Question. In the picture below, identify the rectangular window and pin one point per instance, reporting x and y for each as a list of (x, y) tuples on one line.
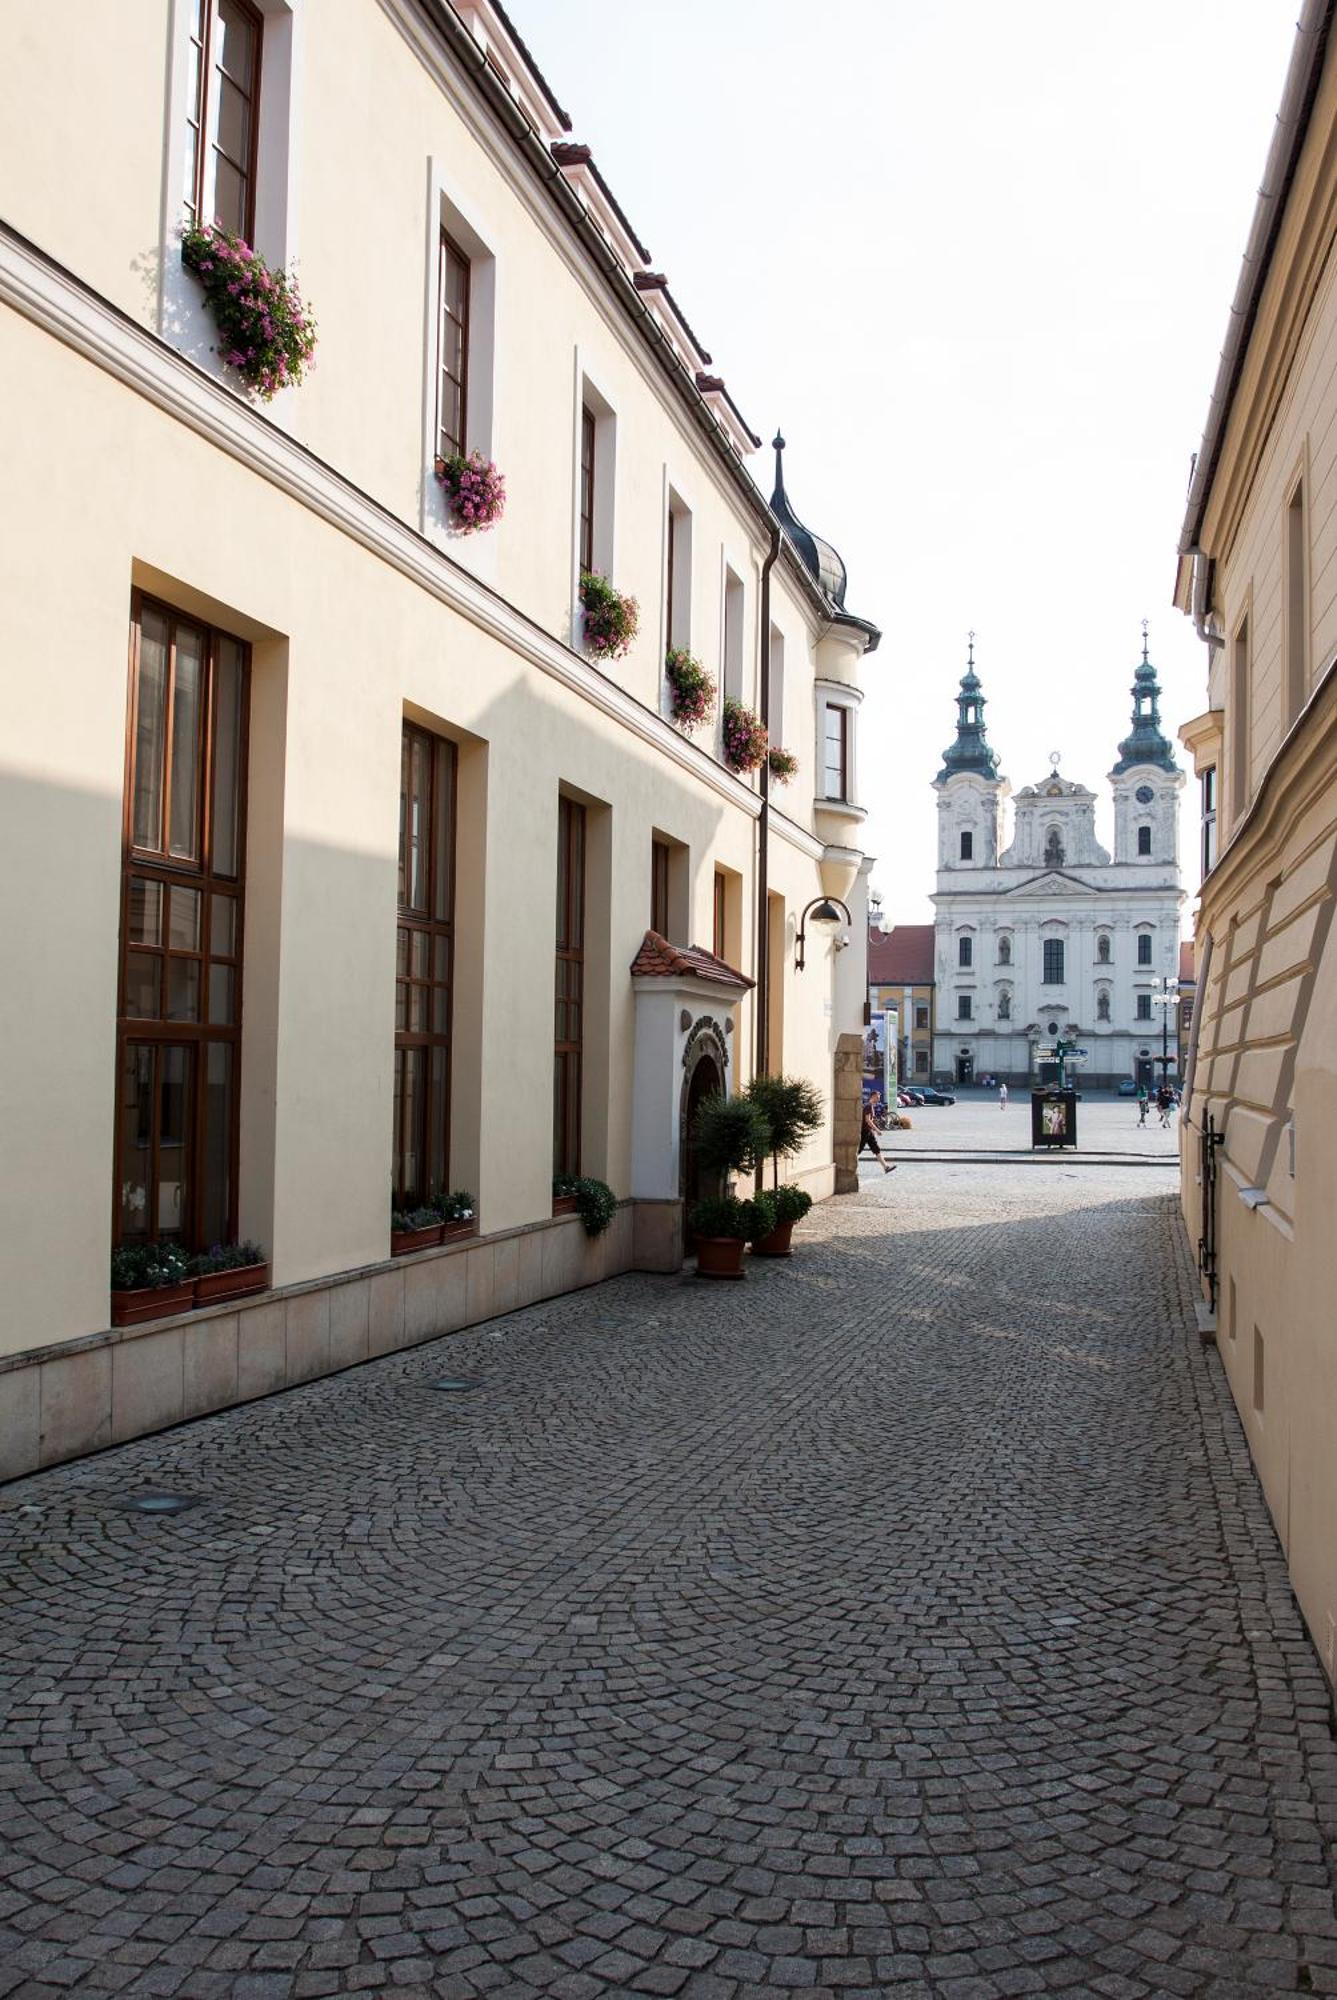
[(222, 116), (570, 994), (921, 1062), (678, 576), (1144, 948), (182, 890), (733, 635), (659, 887), (424, 966), (1240, 724), (1144, 840), (835, 754), (452, 394), (718, 915), (967, 847), (1209, 819), (963, 1007), (921, 1018), (1297, 606), (587, 437), (776, 723), (1144, 1006), (964, 950), (1053, 962)]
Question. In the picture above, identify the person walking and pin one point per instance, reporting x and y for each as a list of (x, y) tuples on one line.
[(1002, 1097), (1165, 1105), (868, 1138), (1143, 1104)]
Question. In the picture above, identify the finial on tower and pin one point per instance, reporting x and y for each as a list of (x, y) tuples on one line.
[(1146, 627), (970, 654)]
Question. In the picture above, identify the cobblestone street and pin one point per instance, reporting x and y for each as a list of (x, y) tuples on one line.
[(905, 1619)]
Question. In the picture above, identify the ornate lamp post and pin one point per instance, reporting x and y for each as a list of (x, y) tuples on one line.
[(1165, 997)]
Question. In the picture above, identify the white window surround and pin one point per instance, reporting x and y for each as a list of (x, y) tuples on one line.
[(183, 318), (466, 230), (588, 395), (676, 618), (732, 612), (776, 689), (838, 694)]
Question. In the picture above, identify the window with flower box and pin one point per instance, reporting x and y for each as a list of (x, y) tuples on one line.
[(178, 1042), (568, 1037), (452, 352), (223, 115), (424, 965)]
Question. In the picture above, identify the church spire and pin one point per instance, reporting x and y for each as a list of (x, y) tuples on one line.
[(971, 751), (1147, 744)]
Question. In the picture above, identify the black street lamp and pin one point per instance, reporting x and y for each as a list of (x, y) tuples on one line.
[(823, 910), (1165, 997)]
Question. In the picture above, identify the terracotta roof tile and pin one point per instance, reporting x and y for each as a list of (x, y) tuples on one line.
[(658, 959), (902, 956)]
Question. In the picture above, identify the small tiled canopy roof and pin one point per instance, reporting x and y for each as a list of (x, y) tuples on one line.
[(658, 959)]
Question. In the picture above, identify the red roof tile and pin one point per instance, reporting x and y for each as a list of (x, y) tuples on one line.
[(658, 959), (902, 956)]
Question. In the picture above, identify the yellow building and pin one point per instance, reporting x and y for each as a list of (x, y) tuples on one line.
[(336, 824), (900, 975), (1258, 573)]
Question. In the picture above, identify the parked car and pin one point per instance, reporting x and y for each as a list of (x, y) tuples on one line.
[(1127, 1087), (911, 1096), (930, 1096)]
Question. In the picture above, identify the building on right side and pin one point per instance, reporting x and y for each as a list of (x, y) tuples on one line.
[(1258, 575)]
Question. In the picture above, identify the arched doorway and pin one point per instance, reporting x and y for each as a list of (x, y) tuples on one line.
[(705, 1079), (965, 1067)]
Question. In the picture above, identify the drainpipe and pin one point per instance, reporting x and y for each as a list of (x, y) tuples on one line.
[(761, 992)]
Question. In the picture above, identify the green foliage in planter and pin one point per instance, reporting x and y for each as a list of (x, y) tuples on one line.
[(743, 1221), (596, 1204), (611, 620), (413, 1218), (148, 1267), (791, 1203), (691, 690), (765, 1216), (792, 1109), (266, 331), (226, 1257), (730, 1135), (457, 1207)]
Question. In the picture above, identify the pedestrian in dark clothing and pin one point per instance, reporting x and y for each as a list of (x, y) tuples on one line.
[(868, 1140)]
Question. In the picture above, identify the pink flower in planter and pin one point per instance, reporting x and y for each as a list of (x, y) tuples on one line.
[(474, 488), (268, 336), (744, 737)]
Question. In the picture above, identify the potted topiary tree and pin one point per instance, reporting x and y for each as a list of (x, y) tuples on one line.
[(792, 1109), (729, 1137)]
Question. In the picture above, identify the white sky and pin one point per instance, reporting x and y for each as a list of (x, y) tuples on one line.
[(976, 260)]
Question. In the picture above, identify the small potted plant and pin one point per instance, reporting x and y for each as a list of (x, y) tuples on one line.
[(413, 1229), (729, 1137), (456, 1215), (791, 1204), (229, 1271), (792, 1110), (720, 1229), (611, 620), (581, 1194), (782, 764), (691, 690), (149, 1281), (266, 332), (475, 491), (744, 737)]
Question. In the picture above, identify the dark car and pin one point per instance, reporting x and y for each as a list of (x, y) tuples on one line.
[(931, 1096)]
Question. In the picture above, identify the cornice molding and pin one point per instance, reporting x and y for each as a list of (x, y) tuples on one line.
[(49, 296)]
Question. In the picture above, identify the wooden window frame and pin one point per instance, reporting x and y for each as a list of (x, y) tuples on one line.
[(1144, 948), (1052, 952), (198, 876), (965, 952), (448, 247), (1210, 784), (842, 714), (660, 862), (719, 914), (588, 442), (568, 1049), (410, 922), (202, 36)]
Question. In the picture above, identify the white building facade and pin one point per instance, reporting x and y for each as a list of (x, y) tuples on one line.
[(1040, 933)]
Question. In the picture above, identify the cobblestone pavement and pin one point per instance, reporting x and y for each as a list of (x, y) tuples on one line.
[(904, 1620)]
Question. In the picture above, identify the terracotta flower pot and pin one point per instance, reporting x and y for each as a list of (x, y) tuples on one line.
[(211, 1286), (564, 1204), (404, 1241), (719, 1257), (777, 1243), (151, 1302)]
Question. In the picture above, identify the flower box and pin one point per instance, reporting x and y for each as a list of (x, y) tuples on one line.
[(212, 1286), (403, 1242), (475, 491), (266, 332), (564, 1204), (455, 1232), (611, 618), (151, 1302), (744, 737)]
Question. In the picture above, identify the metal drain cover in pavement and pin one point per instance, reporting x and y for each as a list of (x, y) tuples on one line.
[(459, 1382), (160, 1503)]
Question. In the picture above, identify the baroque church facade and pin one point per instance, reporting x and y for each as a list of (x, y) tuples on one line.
[(1039, 931)]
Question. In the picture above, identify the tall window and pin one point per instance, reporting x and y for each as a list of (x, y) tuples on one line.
[(452, 393), (1209, 819), (587, 430), (921, 1018), (963, 1007), (1144, 947), (836, 753), (719, 912), (659, 887), (1053, 962), (182, 887), (1239, 724), (678, 575), (964, 950), (1144, 1006), (1144, 840), (424, 964), (223, 98), (569, 1025), (967, 846)]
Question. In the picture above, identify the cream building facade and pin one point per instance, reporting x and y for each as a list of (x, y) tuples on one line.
[(334, 849), (1039, 932), (1258, 573)]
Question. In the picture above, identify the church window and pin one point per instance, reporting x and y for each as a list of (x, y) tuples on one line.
[(1103, 948), (964, 950), (1144, 947), (1144, 1006), (963, 1007), (1053, 849), (1102, 1006), (921, 1018), (1005, 951), (1144, 840), (1005, 1005), (1053, 972), (967, 846)]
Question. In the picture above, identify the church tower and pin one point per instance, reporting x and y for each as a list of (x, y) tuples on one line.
[(1146, 780), (970, 792)]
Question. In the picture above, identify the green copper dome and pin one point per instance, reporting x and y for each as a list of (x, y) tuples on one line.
[(1147, 744), (971, 751)]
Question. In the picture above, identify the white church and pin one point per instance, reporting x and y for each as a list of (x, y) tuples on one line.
[(1049, 935)]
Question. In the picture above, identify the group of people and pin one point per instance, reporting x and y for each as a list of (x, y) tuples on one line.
[(1166, 1100)]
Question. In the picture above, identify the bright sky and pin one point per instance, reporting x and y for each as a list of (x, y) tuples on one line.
[(976, 260)]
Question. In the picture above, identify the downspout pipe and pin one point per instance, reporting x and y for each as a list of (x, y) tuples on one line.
[(761, 1049)]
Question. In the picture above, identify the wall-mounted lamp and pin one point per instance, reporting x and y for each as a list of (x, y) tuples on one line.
[(823, 910)]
